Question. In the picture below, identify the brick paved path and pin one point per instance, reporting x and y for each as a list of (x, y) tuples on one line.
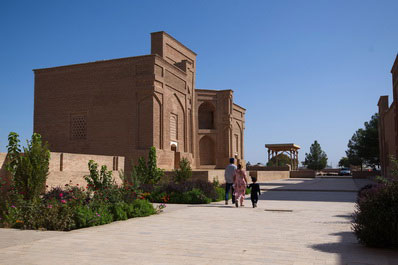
[(289, 227)]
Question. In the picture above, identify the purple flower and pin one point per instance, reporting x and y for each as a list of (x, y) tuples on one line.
[(13, 206)]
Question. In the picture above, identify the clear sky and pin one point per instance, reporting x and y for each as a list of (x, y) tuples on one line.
[(304, 70)]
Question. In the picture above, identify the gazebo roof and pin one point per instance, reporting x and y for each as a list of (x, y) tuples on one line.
[(282, 147)]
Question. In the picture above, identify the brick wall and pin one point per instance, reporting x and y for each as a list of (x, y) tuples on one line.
[(66, 167)]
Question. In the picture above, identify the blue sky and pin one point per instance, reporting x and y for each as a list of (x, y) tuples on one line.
[(304, 70)]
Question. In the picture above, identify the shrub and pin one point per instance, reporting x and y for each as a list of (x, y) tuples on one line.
[(119, 211), (57, 216), (195, 196), (110, 194), (140, 208), (147, 172), (92, 215), (28, 170), (98, 180), (220, 194), (183, 173), (376, 216), (72, 195)]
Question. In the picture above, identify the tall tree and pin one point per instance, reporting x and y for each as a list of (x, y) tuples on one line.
[(317, 158), (344, 162), (363, 147)]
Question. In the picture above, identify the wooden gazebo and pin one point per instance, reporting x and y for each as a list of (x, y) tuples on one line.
[(290, 149)]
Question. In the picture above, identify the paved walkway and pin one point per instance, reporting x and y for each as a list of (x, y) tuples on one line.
[(289, 227)]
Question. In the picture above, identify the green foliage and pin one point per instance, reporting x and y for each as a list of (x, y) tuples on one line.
[(344, 162), (119, 211), (29, 170), (146, 172), (363, 147), (140, 208), (220, 194), (13, 152), (376, 217), (279, 161), (154, 173), (37, 215), (194, 196), (92, 215), (98, 180), (394, 168), (183, 173), (316, 159)]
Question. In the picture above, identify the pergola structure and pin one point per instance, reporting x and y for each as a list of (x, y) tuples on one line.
[(291, 149)]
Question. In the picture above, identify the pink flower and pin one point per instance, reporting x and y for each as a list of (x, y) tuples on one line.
[(50, 206), (61, 194), (13, 206), (63, 201)]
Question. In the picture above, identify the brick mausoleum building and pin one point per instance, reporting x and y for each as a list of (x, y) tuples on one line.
[(388, 125), (122, 107)]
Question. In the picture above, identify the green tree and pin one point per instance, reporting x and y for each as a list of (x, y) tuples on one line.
[(279, 161), (316, 159), (363, 147), (184, 172), (344, 162), (154, 173), (29, 169), (146, 172)]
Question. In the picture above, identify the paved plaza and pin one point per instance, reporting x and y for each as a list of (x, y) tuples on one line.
[(298, 221)]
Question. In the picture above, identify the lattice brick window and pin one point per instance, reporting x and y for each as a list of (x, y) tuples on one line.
[(78, 126)]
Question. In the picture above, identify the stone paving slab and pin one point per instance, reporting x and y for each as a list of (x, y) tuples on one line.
[(314, 232)]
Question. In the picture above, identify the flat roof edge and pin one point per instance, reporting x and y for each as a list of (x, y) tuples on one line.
[(92, 63)]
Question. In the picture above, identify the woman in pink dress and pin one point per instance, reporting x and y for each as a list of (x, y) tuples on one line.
[(240, 183)]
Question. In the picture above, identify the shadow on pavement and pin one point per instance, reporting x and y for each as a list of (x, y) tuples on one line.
[(351, 252), (325, 196)]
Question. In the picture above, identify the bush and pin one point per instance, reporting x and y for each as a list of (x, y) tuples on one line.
[(92, 215), (28, 170), (98, 180), (71, 195), (220, 194), (376, 216), (140, 208), (119, 211), (183, 173), (37, 215), (146, 172)]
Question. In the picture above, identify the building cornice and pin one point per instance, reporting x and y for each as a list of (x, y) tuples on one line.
[(171, 37), (95, 63)]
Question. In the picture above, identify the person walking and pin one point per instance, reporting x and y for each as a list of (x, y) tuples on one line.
[(240, 183), (254, 191), (229, 180)]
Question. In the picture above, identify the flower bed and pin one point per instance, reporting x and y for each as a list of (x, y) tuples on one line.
[(72, 208)]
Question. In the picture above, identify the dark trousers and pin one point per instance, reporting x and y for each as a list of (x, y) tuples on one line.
[(228, 186), (254, 199)]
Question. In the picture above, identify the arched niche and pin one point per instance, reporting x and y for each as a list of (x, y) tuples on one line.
[(206, 116), (207, 154)]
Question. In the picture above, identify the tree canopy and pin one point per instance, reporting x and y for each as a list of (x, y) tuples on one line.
[(279, 161), (316, 159), (344, 162), (363, 147)]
